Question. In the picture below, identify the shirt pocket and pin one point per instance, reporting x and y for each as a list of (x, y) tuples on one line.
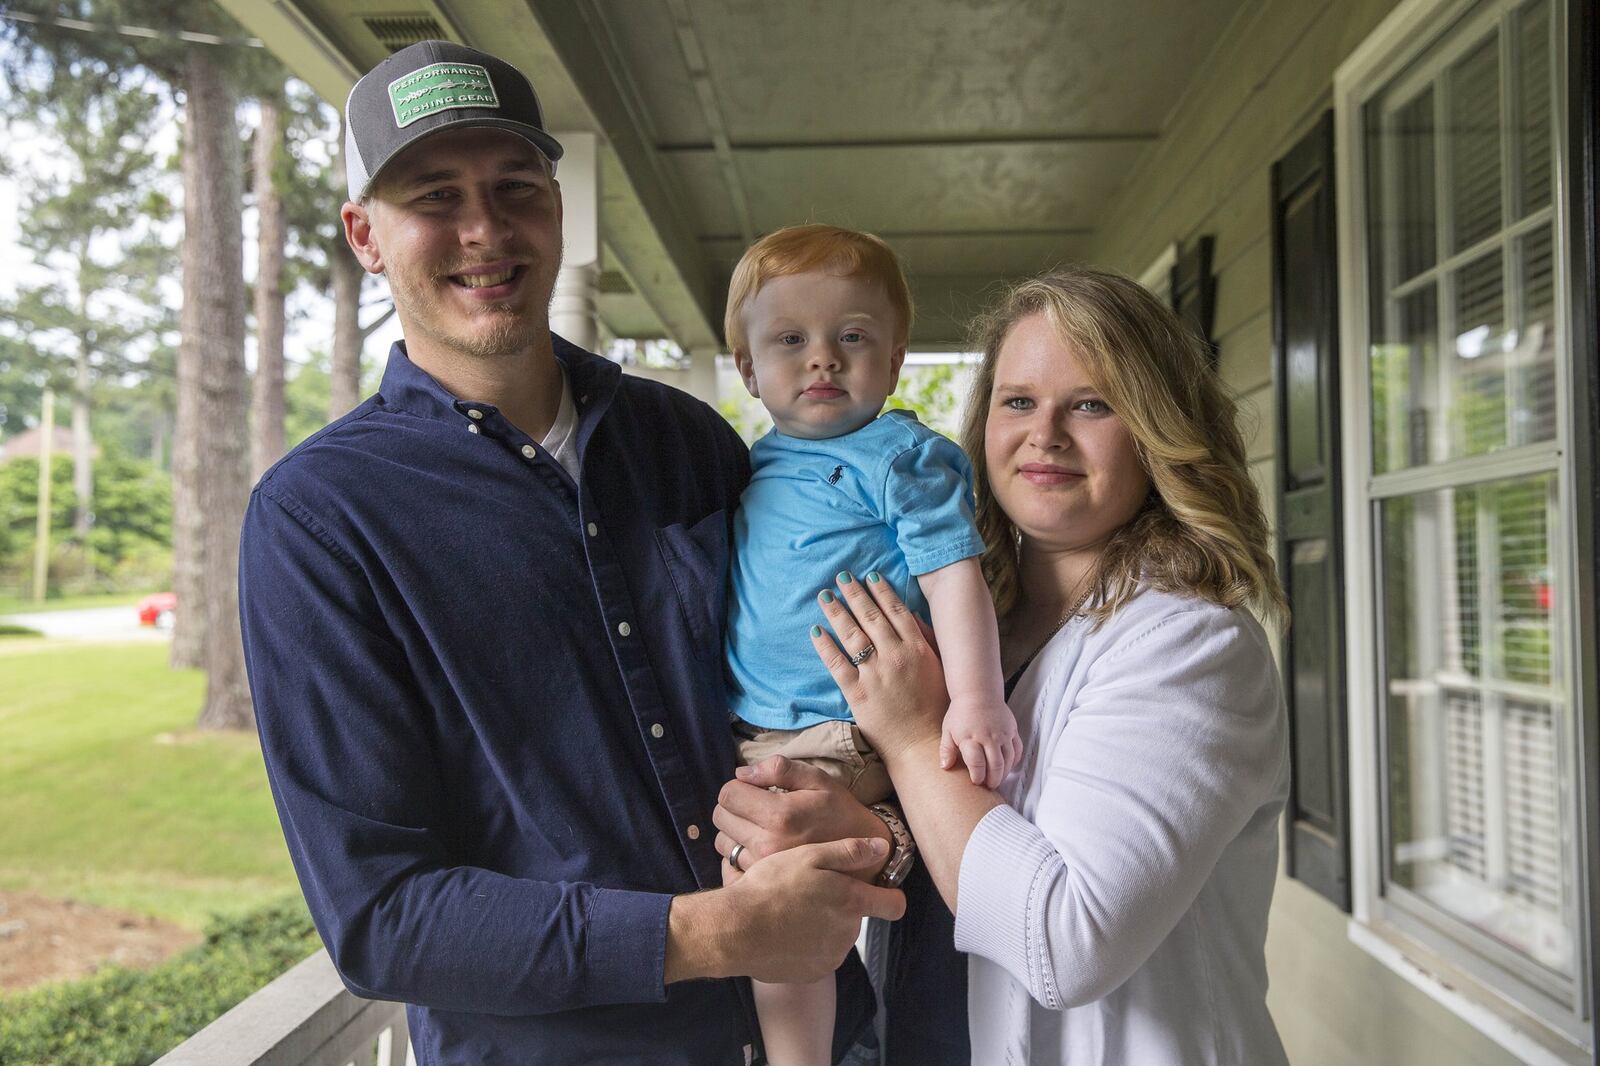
[(696, 559)]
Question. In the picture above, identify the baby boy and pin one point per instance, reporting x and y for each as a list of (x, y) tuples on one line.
[(817, 320)]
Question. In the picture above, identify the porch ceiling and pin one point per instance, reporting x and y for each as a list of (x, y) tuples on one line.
[(982, 138)]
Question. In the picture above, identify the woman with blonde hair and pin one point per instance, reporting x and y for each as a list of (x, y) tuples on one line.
[(1113, 892)]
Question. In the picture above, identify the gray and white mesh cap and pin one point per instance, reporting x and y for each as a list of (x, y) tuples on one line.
[(428, 87)]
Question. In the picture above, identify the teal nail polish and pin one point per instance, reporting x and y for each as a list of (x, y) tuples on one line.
[(845, 578), (874, 577), (825, 596), (816, 631)]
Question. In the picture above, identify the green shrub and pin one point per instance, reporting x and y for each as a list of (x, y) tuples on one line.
[(122, 1017), (129, 546), (11, 629)]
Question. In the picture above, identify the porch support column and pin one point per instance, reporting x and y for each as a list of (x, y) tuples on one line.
[(572, 307), (701, 381)]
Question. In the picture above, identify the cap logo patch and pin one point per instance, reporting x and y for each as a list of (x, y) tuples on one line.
[(440, 87)]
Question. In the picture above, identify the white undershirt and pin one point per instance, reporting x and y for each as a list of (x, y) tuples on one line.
[(562, 440)]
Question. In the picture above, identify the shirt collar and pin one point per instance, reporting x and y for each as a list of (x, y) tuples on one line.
[(407, 387)]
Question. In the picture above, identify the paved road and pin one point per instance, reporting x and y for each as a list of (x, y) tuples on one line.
[(89, 623)]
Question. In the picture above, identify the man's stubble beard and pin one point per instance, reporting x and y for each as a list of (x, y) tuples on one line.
[(496, 332)]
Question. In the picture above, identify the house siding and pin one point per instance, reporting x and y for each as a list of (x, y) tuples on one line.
[(1253, 98)]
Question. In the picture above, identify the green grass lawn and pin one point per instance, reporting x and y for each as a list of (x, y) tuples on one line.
[(108, 795), (19, 605)]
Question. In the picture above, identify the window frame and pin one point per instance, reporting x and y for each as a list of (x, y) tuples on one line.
[(1484, 982)]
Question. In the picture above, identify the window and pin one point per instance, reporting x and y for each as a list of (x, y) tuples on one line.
[(1456, 342), (1479, 823)]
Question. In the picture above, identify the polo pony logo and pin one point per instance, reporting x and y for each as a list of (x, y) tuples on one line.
[(838, 472)]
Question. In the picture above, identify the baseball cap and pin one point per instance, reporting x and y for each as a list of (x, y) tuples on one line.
[(428, 87)]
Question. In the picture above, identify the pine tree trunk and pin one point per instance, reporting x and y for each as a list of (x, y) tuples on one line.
[(212, 349), (345, 386), (189, 629), (344, 390), (272, 234)]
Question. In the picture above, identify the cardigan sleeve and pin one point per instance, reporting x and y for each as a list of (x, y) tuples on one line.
[(1174, 740)]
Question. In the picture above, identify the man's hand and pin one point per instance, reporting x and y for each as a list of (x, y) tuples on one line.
[(812, 808), (982, 735), (792, 919)]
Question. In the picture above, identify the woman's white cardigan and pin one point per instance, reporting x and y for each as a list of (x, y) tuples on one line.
[(1116, 907)]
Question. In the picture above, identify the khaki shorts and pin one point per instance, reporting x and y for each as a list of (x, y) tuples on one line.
[(836, 748)]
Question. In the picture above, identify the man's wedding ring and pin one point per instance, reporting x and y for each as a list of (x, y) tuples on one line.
[(862, 656), (733, 857)]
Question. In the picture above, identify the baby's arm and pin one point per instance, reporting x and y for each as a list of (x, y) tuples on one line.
[(979, 727)]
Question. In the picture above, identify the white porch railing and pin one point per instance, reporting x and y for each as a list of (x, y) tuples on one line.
[(304, 1018)]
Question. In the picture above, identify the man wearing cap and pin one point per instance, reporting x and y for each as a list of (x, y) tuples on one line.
[(482, 619)]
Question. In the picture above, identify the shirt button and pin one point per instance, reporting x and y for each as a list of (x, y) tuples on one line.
[(694, 832), (624, 628), (472, 427), (658, 731), (529, 451), (474, 414), (594, 530)]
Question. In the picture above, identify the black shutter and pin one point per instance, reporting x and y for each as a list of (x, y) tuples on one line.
[(1305, 365), (1194, 288)]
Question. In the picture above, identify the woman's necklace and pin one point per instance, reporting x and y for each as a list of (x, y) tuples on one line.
[(1067, 616)]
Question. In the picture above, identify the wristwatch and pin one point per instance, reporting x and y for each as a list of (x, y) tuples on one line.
[(904, 855)]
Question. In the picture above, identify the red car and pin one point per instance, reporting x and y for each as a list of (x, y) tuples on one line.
[(158, 609)]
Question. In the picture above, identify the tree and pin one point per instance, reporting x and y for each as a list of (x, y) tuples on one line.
[(268, 178), (929, 392), (134, 413), (348, 277), (306, 394), (93, 219), (208, 495), (211, 387), (133, 501), (22, 382), (311, 192)]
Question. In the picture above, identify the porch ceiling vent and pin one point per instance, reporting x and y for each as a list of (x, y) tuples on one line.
[(397, 31)]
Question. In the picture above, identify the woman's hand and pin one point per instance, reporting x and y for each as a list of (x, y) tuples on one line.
[(897, 693)]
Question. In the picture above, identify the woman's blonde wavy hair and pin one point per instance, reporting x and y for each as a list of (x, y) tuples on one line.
[(1201, 530)]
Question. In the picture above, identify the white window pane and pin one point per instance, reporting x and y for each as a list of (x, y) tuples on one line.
[(1408, 220), (1474, 138), (1407, 351), (1533, 357), (1476, 773), (1474, 402), (1532, 41), (1463, 338), (1534, 851)]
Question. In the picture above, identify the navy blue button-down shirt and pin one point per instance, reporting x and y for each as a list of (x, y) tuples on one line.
[(491, 705)]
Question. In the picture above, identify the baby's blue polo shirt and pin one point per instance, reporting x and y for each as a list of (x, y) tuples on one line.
[(893, 496)]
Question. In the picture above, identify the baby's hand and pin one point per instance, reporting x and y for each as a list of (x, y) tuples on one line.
[(983, 735)]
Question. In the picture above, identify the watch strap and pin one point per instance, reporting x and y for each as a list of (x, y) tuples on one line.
[(903, 854)]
